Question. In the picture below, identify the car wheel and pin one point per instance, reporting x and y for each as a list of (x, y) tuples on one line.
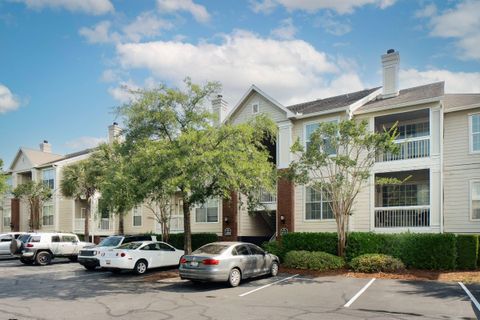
[(274, 269), (140, 267), (90, 268), (43, 258), (27, 262), (234, 277)]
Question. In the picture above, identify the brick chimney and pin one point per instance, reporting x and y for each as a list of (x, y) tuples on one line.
[(391, 68), (219, 108), (114, 133), (45, 147)]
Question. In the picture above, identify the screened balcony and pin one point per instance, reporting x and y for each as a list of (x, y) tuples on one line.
[(413, 134), (405, 205)]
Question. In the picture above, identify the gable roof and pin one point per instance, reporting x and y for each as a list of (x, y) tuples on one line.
[(253, 88), (36, 157), (409, 96), (330, 103), (456, 102)]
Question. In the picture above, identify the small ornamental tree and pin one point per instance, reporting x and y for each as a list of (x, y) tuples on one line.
[(3, 179), (35, 194), (338, 162)]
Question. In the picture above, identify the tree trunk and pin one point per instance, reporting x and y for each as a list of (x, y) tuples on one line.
[(121, 224), (87, 220), (187, 230), (341, 235)]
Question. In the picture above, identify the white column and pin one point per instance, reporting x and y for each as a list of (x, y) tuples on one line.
[(284, 144)]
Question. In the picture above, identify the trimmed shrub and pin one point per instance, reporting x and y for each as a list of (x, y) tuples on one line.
[(313, 260), (311, 241), (274, 247), (360, 243), (467, 251), (198, 239), (372, 262)]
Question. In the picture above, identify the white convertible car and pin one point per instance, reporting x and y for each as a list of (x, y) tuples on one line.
[(140, 256)]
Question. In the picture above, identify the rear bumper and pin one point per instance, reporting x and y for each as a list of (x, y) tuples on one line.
[(88, 262), (203, 275), (117, 264)]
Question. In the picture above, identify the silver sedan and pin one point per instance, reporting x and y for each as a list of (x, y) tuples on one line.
[(227, 261)]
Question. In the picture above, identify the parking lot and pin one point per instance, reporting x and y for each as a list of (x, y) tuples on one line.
[(65, 290)]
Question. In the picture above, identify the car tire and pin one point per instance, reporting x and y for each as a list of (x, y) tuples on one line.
[(140, 267), (234, 277), (73, 258), (43, 258), (26, 262), (90, 268), (274, 269)]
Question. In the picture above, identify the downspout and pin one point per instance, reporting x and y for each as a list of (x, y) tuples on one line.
[(441, 169)]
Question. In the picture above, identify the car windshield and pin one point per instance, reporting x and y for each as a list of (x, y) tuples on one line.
[(24, 238), (110, 242), (211, 249), (130, 246)]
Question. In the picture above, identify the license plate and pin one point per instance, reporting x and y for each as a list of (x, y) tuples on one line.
[(108, 261), (194, 264)]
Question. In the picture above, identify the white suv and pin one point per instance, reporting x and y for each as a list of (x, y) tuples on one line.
[(41, 248)]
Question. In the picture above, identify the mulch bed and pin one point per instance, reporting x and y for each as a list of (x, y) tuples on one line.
[(446, 276), (160, 275)]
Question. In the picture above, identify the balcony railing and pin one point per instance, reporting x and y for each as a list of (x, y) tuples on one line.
[(402, 217), (79, 225), (104, 224), (411, 148), (267, 197)]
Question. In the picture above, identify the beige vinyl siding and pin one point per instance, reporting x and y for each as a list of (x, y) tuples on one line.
[(460, 167), (360, 220), (210, 227), (244, 112), (65, 214), (148, 222), (252, 225)]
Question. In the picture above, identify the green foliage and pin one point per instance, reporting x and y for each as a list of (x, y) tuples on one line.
[(467, 251), (338, 161), (34, 193), (360, 243), (313, 260), (310, 241), (198, 239), (274, 247), (81, 179), (373, 262), (3, 179)]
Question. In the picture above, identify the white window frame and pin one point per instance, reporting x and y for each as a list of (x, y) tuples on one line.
[(471, 133), (307, 139), (206, 212), (470, 198), (257, 105), (321, 208), (4, 216), (52, 170), (52, 214), (135, 212)]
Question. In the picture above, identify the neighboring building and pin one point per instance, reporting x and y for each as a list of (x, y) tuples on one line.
[(440, 152)]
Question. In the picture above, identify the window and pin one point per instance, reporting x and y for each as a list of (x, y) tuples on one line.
[(9, 182), (242, 250), (413, 130), (207, 212), (47, 215), (137, 216), (83, 213), (7, 217), (405, 195), (256, 250), (164, 247), (310, 129), (475, 133), (69, 238), (317, 205), (55, 239), (475, 198), (255, 108), (49, 177)]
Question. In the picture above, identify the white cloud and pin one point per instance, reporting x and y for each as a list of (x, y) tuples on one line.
[(8, 101), (292, 71), (427, 11), (333, 26), (85, 142), (312, 6), (199, 12), (462, 24), (146, 25), (455, 82), (94, 7), (286, 30), (99, 33)]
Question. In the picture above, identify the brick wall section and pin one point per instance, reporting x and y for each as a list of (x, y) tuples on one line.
[(285, 204), (15, 218), (230, 211)]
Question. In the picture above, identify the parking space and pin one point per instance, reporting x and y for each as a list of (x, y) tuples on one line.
[(65, 290)]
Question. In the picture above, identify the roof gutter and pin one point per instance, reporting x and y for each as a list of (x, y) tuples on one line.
[(461, 108), (400, 105)]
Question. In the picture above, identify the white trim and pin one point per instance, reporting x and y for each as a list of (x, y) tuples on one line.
[(304, 215), (318, 121), (470, 200), (400, 105), (206, 213), (360, 103), (470, 132), (461, 108)]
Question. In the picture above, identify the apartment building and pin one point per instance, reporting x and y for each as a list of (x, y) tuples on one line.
[(439, 139)]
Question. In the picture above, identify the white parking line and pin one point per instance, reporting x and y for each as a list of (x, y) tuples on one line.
[(359, 293), (267, 285), (470, 295)]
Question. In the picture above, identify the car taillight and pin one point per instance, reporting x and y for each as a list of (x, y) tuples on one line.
[(183, 260), (29, 245), (210, 262)]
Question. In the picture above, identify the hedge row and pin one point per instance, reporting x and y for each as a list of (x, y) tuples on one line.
[(198, 239), (313, 260), (416, 250)]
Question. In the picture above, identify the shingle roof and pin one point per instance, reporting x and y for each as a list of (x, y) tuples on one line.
[(38, 157), (453, 101), (406, 96), (330, 103), (71, 155)]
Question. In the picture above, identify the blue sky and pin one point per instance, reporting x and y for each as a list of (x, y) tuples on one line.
[(64, 64)]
